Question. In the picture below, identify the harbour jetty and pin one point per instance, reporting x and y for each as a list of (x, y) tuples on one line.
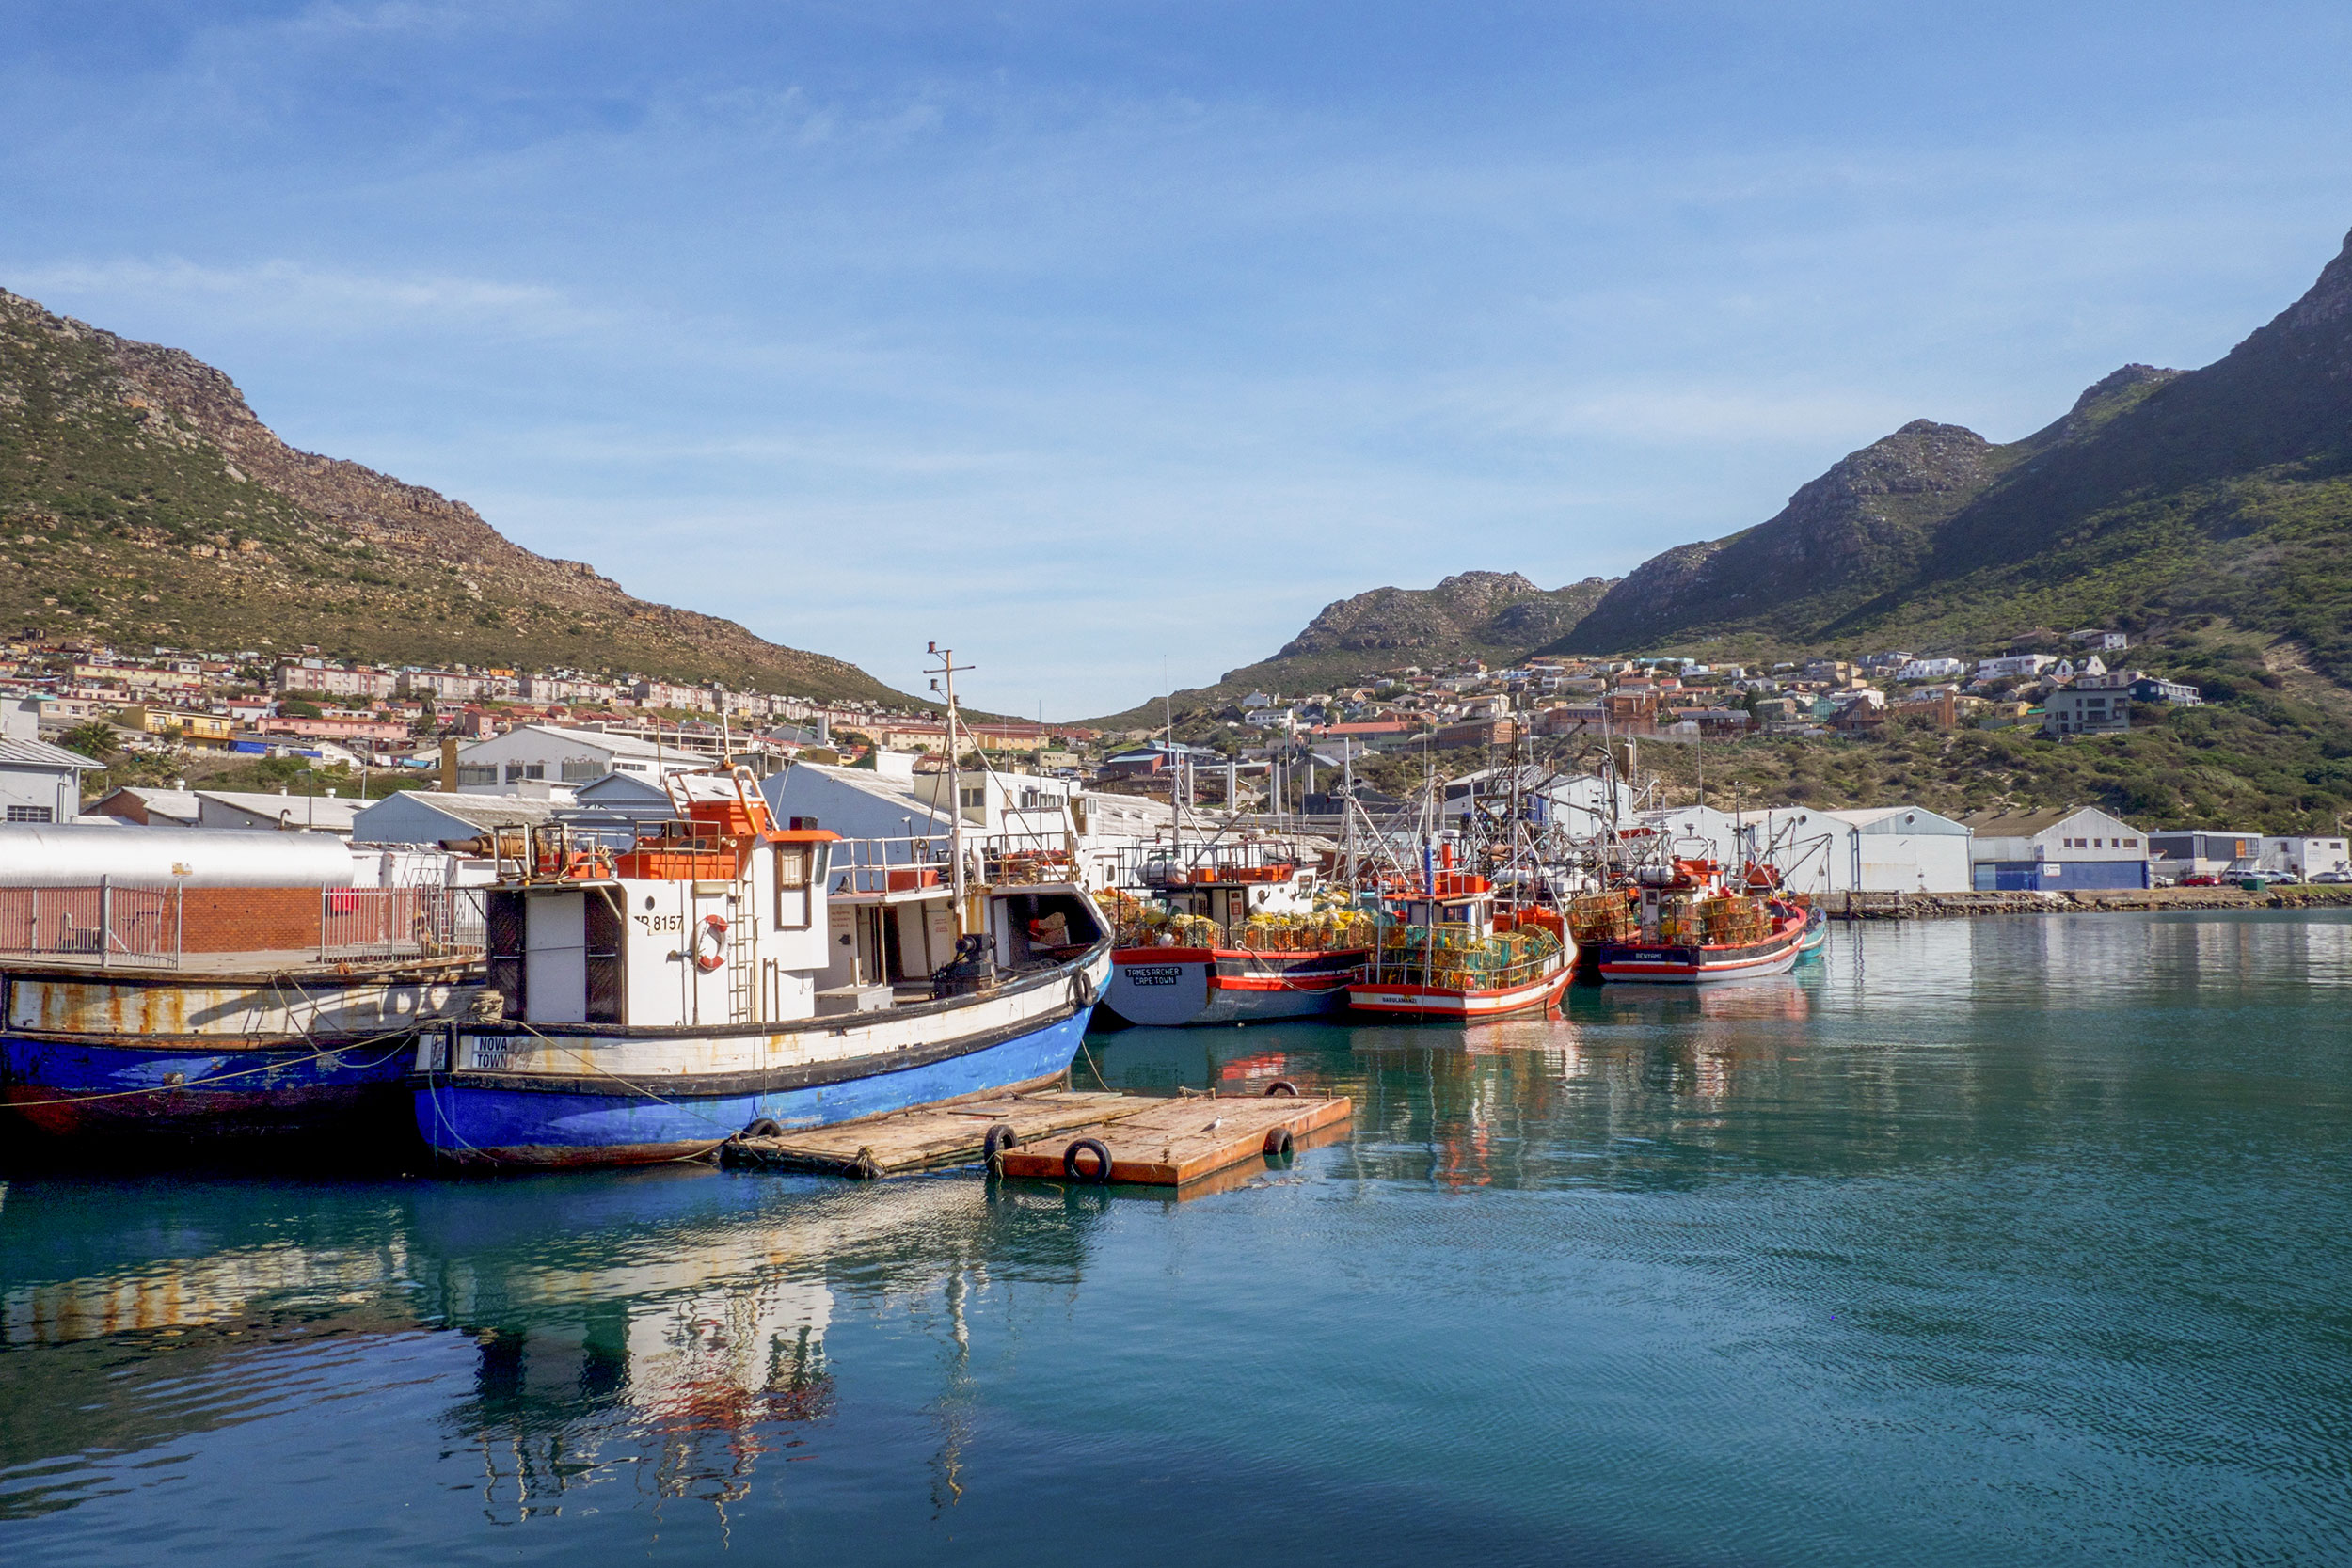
[(1176, 1143), (1961, 905), (927, 1139), (1089, 1139)]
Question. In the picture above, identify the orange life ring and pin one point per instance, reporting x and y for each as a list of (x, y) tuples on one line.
[(714, 927)]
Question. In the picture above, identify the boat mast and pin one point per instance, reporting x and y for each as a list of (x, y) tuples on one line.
[(1175, 776), (1611, 857), (945, 673)]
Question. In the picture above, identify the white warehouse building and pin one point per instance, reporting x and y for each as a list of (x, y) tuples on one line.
[(539, 759), (1872, 849)]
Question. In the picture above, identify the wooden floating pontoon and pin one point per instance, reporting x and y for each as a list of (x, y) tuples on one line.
[(1173, 1142), (918, 1140)]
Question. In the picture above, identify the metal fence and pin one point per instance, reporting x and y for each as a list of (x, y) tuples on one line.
[(105, 921), (109, 923), (398, 922)]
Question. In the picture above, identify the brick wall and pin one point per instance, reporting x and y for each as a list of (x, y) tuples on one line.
[(249, 919)]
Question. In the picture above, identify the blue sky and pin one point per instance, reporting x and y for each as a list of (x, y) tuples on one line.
[(1103, 339)]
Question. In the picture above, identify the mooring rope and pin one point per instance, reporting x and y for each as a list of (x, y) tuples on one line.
[(243, 1072)]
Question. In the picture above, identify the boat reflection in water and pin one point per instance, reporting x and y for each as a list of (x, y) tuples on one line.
[(665, 1330), (680, 1373)]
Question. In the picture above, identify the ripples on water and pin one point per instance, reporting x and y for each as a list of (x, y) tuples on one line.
[(2005, 1242)]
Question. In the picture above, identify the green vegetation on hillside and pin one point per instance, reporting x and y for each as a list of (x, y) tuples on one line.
[(2268, 753), (124, 518)]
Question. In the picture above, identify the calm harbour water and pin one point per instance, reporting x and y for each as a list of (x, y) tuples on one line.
[(2004, 1241)]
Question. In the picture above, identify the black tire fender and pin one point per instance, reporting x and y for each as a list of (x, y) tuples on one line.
[(1279, 1145), (1282, 1085), (764, 1127), (994, 1144), (1102, 1173)]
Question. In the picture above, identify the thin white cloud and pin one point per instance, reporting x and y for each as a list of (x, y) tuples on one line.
[(1677, 416), (293, 294)]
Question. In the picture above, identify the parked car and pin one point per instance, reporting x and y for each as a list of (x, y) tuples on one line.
[(2202, 879), (2281, 877), (2331, 876)]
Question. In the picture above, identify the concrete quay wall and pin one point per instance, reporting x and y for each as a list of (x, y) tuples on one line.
[(1955, 906)]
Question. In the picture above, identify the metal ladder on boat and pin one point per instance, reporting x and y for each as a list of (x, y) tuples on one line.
[(742, 996)]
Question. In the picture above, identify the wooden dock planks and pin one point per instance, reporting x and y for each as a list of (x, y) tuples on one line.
[(1172, 1142), (941, 1135)]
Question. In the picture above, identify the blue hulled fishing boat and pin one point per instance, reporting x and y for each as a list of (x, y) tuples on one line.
[(723, 972), (215, 1055), (163, 988)]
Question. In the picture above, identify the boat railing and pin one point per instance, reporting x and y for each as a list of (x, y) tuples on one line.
[(107, 923), (1156, 866), (913, 864), (1418, 955)]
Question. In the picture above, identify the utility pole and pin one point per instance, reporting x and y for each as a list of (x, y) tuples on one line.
[(945, 671)]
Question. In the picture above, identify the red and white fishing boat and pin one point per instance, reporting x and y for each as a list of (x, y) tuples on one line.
[(1234, 940), (1685, 923), (1448, 955)]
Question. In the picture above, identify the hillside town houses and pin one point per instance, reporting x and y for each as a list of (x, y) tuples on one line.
[(2064, 690), (596, 748), (2059, 694), (303, 704)]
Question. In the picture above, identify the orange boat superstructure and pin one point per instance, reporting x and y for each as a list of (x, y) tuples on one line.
[(1450, 954)]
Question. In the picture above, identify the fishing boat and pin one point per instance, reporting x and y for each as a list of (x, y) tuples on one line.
[(163, 1010), (723, 974), (1681, 923), (1449, 954), (1816, 933), (1235, 939)]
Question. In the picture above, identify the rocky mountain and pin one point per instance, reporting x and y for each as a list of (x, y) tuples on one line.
[(142, 500), (1842, 539), (1496, 616), (1472, 611), (2162, 496)]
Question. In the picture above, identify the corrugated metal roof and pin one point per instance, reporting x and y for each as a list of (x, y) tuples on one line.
[(333, 813), (1868, 817), (609, 740), (2022, 824), (39, 753), (481, 811), (175, 805), (865, 780)]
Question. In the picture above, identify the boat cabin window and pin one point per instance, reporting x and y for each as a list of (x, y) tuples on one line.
[(798, 870)]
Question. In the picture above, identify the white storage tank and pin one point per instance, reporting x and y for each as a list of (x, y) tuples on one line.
[(72, 855)]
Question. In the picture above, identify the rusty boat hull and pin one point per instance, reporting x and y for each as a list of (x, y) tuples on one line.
[(170, 1058), (194, 1091)]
